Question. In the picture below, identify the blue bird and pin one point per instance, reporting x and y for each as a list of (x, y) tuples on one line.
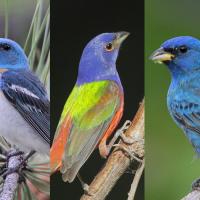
[(24, 104), (182, 56)]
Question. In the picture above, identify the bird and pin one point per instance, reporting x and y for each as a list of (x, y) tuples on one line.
[(182, 57), (92, 110), (24, 103)]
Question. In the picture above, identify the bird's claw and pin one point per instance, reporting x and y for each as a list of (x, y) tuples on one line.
[(84, 185), (196, 185), (118, 133), (131, 154), (126, 125), (18, 169)]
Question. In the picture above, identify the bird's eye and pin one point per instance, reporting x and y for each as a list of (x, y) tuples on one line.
[(109, 46), (183, 49), (5, 47)]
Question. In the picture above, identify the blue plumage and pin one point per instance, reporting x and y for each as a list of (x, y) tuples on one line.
[(24, 105), (182, 56), (12, 55), (99, 58)]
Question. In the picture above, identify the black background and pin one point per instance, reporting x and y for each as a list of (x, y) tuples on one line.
[(73, 24)]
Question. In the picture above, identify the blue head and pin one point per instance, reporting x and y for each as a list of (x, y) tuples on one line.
[(181, 54), (99, 58), (12, 55)]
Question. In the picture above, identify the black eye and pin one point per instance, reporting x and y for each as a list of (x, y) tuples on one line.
[(183, 49), (109, 47), (5, 47)]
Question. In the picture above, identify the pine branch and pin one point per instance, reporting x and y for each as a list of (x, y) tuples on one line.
[(119, 161), (11, 181)]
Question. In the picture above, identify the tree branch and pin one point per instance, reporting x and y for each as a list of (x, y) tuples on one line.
[(135, 182), (118, 161), (11, 181)]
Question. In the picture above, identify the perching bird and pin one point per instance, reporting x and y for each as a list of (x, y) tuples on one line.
[(24, 105), (93, 109), (182, 56)]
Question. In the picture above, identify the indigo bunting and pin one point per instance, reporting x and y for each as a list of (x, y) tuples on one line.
[(93, 109), (182, 56)]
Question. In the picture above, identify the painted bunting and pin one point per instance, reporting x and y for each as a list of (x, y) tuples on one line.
[(24, 105), (93, 109), (182, 56)]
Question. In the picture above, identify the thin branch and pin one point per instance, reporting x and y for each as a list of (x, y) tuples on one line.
[(11, 181), (135, 182), (194, 195), (118, 161)]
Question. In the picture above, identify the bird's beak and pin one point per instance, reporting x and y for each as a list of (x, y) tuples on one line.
[(160, 56), (120, 37)]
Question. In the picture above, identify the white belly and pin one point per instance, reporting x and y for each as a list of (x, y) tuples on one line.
[(17, 131)]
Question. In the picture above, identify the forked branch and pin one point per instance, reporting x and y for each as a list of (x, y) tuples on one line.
[(119, 161)]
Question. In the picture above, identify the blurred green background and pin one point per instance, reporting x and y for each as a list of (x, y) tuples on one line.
[(171, 165)]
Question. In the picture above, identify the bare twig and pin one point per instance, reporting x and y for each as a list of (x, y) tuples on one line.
[(11, 181), (135, 182), (194, 195), (118, 161)]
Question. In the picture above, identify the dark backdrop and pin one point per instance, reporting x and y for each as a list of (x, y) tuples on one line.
[(73, 24)]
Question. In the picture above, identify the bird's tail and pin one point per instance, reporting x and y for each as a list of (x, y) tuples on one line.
[(58, 146), (55, 161), (194, 138)]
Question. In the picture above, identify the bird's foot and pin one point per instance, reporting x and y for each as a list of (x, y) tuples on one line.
[(7, 171), (196, 185), (119, 133), (84, 185), (11, 154), (4, 171), (132, 155)]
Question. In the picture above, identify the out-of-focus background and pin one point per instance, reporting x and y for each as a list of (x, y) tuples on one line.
[(171, 166), (20, 13)]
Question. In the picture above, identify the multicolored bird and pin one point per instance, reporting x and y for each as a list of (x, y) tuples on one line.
[(93, 109), (182, 56), (24, 105)]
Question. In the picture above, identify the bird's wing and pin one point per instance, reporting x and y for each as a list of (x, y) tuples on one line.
[(27, 94), (187, 114), (88, 112)]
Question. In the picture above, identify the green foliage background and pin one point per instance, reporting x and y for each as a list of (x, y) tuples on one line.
[(171, 165)]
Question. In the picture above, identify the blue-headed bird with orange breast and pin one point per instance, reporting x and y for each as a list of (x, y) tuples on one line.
[(93, 109)]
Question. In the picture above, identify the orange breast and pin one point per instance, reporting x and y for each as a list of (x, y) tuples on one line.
[(117, 117)]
